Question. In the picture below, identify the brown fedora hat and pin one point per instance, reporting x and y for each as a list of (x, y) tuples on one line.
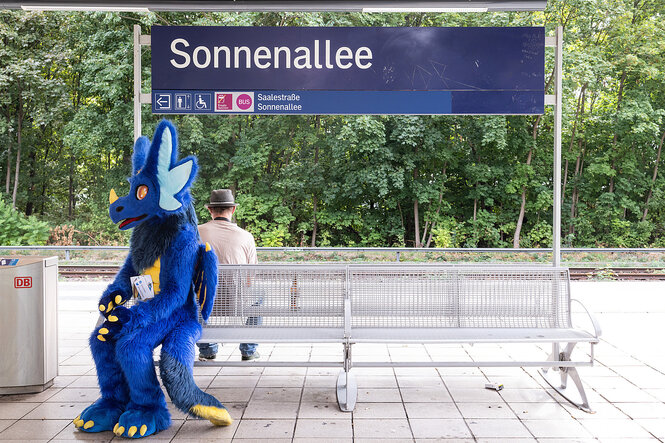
[(221, 198)]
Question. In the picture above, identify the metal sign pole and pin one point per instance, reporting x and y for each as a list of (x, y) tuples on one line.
[(556, 210), (555, 99), (137, 81), (139, 98), (556, 235)]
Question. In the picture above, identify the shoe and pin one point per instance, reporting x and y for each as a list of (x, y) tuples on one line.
[(207, 358), (254, 356)]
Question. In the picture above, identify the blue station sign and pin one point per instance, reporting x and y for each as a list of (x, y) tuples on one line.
[(287, 70)]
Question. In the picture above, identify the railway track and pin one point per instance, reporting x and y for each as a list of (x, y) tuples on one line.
[(91, 271), (87, 271), (617, 273)]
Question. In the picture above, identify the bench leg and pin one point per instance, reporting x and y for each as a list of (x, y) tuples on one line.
[(347, 391), (347, 388), (576, 397)]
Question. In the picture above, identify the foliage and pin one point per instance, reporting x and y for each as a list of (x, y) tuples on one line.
[(17, 229), (473, 181), (62, 235)]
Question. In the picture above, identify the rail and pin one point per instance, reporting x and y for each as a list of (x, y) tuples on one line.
[(396, 251), (576, 273)]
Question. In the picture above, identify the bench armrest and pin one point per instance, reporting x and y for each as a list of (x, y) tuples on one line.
[(594, 321)]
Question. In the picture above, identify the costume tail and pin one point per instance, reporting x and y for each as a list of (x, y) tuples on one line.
[(186, 396), (205, 279)]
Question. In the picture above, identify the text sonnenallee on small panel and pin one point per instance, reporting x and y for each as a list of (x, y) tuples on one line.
[(263, 57), (278, 107)]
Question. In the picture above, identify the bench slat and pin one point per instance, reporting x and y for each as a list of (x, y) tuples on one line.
[(470, 335), (246, 334)]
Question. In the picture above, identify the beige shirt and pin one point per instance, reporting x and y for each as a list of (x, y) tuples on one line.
[(232, 244)]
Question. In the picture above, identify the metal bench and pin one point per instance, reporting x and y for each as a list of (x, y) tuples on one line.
[(398, 303)]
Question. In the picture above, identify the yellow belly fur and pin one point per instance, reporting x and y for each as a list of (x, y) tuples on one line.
[(153, 272)]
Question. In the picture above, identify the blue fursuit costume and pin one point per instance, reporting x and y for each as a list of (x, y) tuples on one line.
[(165, 244)]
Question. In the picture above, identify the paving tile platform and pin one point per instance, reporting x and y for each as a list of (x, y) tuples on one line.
[(626, 387)]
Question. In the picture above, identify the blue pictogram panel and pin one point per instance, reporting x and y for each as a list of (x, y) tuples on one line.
[(161, 101)]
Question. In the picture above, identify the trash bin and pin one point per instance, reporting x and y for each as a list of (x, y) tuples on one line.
[(28, 323)]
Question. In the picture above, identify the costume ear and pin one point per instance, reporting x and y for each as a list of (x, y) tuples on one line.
[(163, 152), (140, 153), (173, 178), (173, 182)]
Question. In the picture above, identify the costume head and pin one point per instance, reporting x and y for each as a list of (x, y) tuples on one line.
[(159, 186)]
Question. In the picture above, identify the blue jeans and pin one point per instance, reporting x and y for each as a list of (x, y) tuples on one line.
[(209, 350), (247, 349)]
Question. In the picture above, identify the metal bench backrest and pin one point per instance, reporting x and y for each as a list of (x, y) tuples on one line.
[(391, 296), (282, 295)]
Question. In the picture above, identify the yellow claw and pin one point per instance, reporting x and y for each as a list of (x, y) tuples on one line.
[(208, 247), (78, 422), (115, 428), (101, 338), (103, 331), (132, 431), (118, 299), (119, 431), (110, 306), (143, 430), (102, 308), (89, 424), (112, 318)]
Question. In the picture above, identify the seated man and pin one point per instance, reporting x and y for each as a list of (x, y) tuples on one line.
[(233, 245)]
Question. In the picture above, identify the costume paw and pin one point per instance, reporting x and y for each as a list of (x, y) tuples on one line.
[(108, 331), (99, 416), (120, 315), (110, 301), (217, 416), (136, 423)]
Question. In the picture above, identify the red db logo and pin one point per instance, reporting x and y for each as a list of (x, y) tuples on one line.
[(22, 282)]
